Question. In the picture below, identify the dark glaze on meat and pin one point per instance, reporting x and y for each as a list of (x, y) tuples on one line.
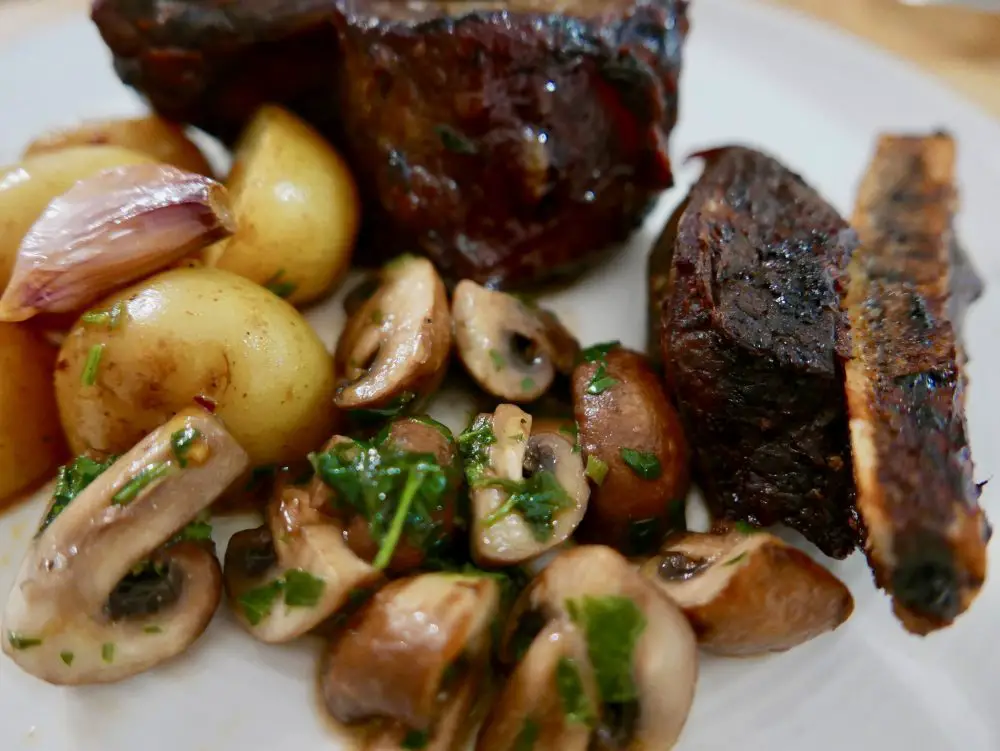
[(926, 535), (754, 343), (510, 141)]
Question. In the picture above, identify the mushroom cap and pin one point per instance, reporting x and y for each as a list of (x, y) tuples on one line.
[(531, 695), (665, 662), (490, 326), (518, 451), (392, 659), (748, 594), (395, 347), (61, 593)]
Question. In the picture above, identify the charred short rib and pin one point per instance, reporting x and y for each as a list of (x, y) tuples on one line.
[(926, 535), (510, 141), (753, 343)]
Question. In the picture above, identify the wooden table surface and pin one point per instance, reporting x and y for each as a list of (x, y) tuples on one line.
[(960, 46)]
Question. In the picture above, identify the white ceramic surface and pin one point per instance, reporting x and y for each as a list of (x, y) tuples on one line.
[(752, 74)]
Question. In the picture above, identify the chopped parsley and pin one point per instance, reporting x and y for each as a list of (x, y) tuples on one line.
[(572, 431), (71, 479), (596, 469), (643, 463), (152, 630), (111, 318), (598, 352), (537, 499), (601, 381), (526, 739), (454, 141), (575, 704), (527, 384), (149, 474), (108, 652), (415, 739), (200, 530), (279, 287), (395, 491), (257, 603), (393, 408), (302, 589), (18, 641), (182, 441), (67, 658), (474, 446), (89, 375), (612, 625), (745, 528), (499, 362)]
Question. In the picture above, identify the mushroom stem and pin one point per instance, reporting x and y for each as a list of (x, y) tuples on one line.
[(57, 621)]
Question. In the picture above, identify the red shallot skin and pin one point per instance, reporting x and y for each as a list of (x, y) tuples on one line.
[(109, 230)]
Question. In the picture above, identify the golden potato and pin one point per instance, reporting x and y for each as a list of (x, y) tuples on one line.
[(296, 206), (27, 188), (160, 139), (31, 442), (203, 336)]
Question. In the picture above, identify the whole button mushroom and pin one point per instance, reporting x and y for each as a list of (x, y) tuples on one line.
[(634, 448), (394, 349), (110, 585), (748, 593), (512, 350)]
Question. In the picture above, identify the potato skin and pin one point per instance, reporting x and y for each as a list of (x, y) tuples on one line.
[(633, 413), (296, 207), (204, 333), (31, 441), (29, 186), (159, 139)]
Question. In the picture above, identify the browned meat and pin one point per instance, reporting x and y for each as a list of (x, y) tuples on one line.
[(510, 141), (926, 535), (754, 343)]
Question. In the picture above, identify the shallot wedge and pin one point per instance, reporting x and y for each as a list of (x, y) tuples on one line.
[(109, 230)]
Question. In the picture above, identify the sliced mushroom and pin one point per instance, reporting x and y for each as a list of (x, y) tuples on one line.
[(634, 449), (532, 705), (409, 648), (394, 349), (513, 351), (289, 576), (748, 594), (664, 664), (528, 488), (60, 623)]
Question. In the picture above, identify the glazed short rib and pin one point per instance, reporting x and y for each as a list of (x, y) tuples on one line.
[(754, 342), (926, 534)]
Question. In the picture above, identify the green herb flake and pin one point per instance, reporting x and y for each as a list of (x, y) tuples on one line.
[(182, 441), (528, 384), (746, 528), (737, 559), (149, 474), (537, 499), (200, 530), (575, 704), (257, 603), (67, 658), (601, 381), (596, 469), (571, 431), (612, 625), (528, 736), (108, 652), (19, 641), (454, 141), (89, 375), (393, 408), (152, 630), (302, 589), (415, 739), (499, 362), (278, 287), (111, 318), (474, 445), (598, 352), (71, 479), (643, 463)]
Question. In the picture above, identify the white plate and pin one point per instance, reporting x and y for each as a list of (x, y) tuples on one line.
[(752, 74)]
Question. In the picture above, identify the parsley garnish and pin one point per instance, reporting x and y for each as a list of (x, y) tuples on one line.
[(182, 441), (643, 463), (67, 658), (17, 641), (527, 384), (394, 408), (111, 318), (152, 630), (257, 602), (108, 652), (89, 375), (454, 141), (131, 490), (499, 362), (474, 446), (598, 352), (415, 739), (746, 528), (302, 589), (278, 287), (601, 381), (200, 530), (613, 626), (71, 479), (596, 469), (575, 704), (537, 499), (525, 740)]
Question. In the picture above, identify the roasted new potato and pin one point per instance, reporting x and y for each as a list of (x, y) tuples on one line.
[(633, 448), (160, 139), (31, 442), (296, 206), (196, 336), (28, 187)]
